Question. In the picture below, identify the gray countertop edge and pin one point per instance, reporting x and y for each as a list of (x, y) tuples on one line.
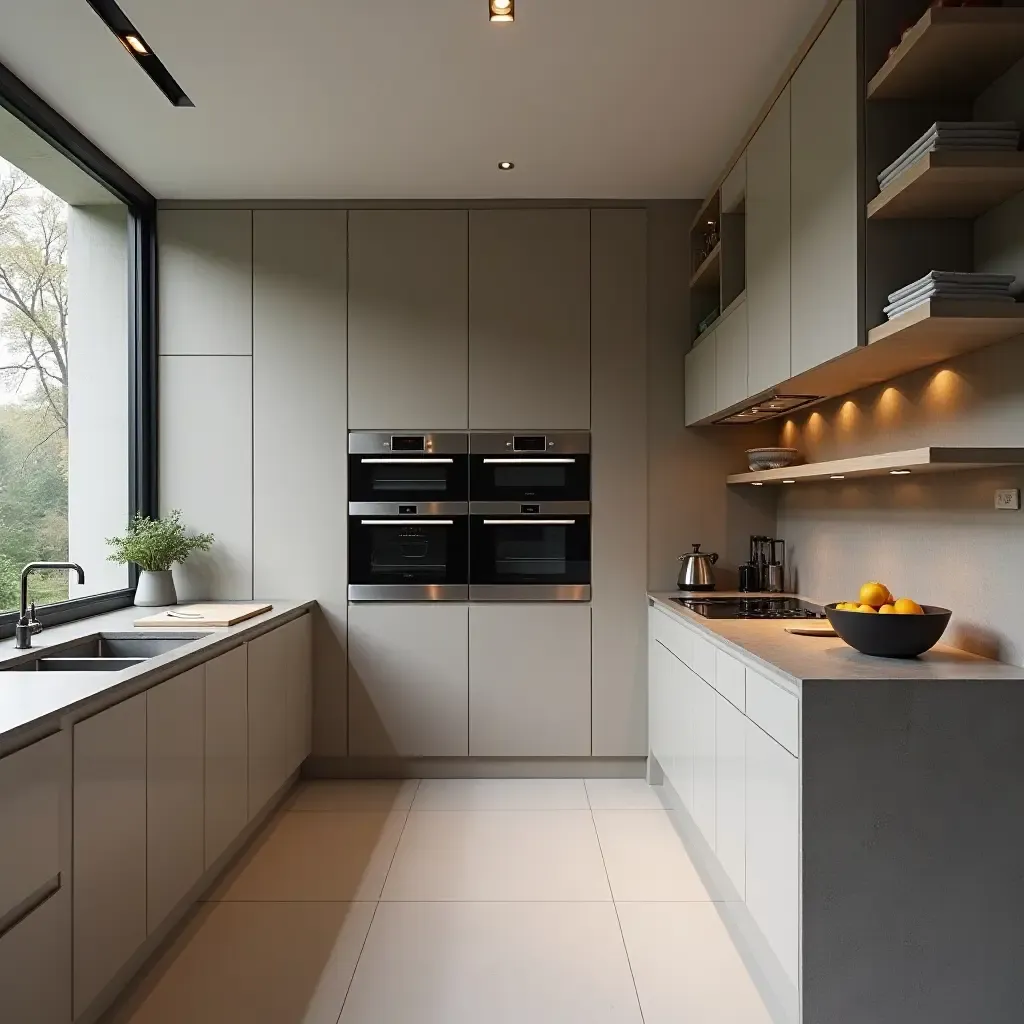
[(103, 690)]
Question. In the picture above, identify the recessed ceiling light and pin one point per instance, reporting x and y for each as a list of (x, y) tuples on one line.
[(899, 472), (838, 476), (505, 165), (502, 10), (135, 43), (789, 481), (756, 483)]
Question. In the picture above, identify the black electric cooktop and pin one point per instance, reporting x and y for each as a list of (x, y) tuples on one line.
[(751, 607)]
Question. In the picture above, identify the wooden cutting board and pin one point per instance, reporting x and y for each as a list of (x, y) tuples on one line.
[(204, 615)]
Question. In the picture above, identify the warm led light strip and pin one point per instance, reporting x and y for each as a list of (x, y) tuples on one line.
[(401, 462), (535, 462), (411, 521), (529, 522)]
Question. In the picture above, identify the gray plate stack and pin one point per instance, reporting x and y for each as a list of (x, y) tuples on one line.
[(945, 136), (945, 284)]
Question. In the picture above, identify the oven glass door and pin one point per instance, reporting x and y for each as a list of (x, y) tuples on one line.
[(526, 478), (530, 550), (389, 551), (409, 478)]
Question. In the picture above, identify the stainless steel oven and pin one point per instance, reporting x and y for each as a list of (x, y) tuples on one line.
[(408, 551), (414, 468), (529, 551), (530, 467)]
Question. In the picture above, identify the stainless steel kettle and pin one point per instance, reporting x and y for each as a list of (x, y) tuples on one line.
[(696, 572)]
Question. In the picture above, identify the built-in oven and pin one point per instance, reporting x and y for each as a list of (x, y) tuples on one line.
[(529, 551), (416, 551), (530, 467), (412, 468)]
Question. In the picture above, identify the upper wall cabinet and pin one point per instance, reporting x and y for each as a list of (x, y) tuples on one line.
[(205, 259), (408, 319), (826, 213), (529, 319), (768, 248), (699, 378)]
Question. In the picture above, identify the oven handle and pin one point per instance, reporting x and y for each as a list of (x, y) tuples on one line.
[(406, 522), (529, 522), (402, 462), (533, 462)]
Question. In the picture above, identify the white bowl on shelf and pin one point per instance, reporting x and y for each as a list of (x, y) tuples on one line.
[(772, 458)]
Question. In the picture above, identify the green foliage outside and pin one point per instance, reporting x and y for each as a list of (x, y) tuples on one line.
[(157, 544)]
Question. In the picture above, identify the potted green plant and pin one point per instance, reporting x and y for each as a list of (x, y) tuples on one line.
[(154, 545)]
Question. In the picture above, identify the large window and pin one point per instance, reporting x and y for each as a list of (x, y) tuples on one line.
[(76, 456)]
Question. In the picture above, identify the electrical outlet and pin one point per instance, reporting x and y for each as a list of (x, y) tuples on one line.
[(1008, 499)]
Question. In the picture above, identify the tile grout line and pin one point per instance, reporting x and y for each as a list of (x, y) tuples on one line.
[(615, 907)]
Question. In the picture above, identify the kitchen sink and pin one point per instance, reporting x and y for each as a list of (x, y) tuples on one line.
[(103, 652)]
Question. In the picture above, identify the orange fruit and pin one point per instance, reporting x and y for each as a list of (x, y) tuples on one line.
[(875, 594), (887, 609), (908, 606), (868, 608)]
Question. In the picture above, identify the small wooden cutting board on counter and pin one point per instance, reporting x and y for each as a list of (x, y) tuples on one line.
[(204, 615)]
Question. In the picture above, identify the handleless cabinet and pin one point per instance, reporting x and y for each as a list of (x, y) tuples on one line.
[(298, 635), (529, 680), (827, 213), (529, 319), (731, 358), (409, 679), (702, 708), (175, 752), (730, 792), (768, 249), (109, 857), (226, 782), (700, 378), (408, 330)]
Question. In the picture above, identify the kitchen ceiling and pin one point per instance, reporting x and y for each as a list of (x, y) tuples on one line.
[(320, 99)]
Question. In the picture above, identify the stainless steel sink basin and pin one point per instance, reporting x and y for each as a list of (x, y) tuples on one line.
[(102, 652)]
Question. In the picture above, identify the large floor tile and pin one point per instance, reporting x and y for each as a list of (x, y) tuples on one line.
[(326, 856), (257, 963), (501, 795), (498, 855), (623, 795), (353, 795), (505, 963), (645, 858), (686, 967)]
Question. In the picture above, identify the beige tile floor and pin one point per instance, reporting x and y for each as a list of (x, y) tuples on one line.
[(551, 901)]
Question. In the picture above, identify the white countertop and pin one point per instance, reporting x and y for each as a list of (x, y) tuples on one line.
[(36, 702), (807, 659)]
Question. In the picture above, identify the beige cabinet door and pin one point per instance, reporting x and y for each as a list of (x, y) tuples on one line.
[(408, 326), (409, 680), (299, 690), (768, 248), (109, 845), (205, 261), (529, 680), (529, 319), (175, 752), (226, 782), (730, 792), (827, 212), (731, 358), (700, 378)]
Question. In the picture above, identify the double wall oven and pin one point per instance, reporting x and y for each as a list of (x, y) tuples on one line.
[(487, 516)]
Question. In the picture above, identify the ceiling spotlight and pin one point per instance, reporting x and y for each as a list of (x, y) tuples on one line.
[(502, 10), (899, 472), (505, 165), (136, 44)]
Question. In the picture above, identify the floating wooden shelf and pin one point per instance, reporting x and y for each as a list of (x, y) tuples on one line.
[(952, 51), (707, 275), (916, 461), (951, 184)]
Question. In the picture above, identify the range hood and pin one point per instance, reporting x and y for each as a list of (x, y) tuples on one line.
[(767, 406)]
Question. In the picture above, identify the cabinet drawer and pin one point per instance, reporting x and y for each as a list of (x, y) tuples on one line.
[(673, 635), (30, 793), (731, 679), (704, 659), (774, 710)]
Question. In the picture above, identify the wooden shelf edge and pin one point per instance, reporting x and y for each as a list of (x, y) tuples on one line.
[(942, 314), (941, 17), (922, 460), (704, 269)]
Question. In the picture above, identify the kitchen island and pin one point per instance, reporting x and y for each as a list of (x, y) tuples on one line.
[(860, 819)]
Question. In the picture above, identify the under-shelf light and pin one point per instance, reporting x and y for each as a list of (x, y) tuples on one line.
[(789, 481), (899, 472), (838, 476), (502, 10), (756, 483)]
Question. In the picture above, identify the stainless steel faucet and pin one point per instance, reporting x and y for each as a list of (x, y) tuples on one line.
[(27, 626)]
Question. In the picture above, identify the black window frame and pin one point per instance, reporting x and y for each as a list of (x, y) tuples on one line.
[(29, 108)]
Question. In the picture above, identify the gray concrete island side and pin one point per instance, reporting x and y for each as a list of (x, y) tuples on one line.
[(860, 819)]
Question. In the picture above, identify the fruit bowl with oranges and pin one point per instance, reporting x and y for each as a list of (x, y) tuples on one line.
[(886, 627)]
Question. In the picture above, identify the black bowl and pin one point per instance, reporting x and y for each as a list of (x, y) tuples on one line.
[(890, 636)]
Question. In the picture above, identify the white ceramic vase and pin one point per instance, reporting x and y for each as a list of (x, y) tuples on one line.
[(155, 589)]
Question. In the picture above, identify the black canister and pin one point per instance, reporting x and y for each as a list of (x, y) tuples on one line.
[(750, 578)]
